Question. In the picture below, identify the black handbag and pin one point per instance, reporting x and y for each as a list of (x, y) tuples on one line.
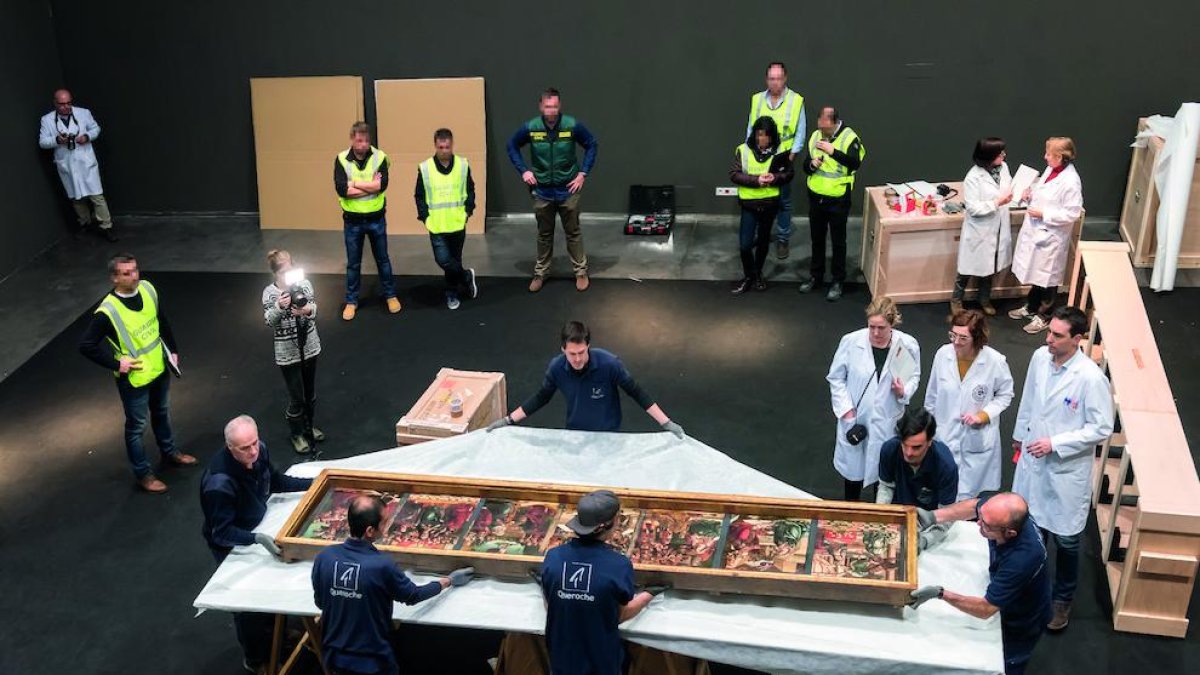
[(858, 433)]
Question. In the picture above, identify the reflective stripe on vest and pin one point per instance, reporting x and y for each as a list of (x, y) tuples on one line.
[(753, 167), (137, 334), (832, 179), (366, 203), (445, 195), (788, 123)]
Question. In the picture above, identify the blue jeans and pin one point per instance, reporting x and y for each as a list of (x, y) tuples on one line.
[(447, 252), (142, 403), (1066, 564), (376, 232), (754, 236), (1017, 654), (783, 223)]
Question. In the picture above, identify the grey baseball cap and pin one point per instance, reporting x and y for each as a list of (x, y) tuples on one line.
[(595, 509)]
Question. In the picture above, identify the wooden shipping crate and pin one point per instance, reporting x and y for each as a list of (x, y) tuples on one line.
[(1139, 212), (693, 541), (484, 397), (914, 258)]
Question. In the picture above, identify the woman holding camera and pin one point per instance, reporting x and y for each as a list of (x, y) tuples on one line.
[(291, 309), (874, 374)]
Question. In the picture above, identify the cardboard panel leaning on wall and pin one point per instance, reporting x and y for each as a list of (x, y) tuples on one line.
[(300, 124), (407, 112)]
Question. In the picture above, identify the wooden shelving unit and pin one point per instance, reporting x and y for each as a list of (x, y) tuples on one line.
[(1146, 493)]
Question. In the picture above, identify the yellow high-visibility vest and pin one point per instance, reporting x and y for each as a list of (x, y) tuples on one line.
[(786, 115), (365, 203), (751, 165), (137, 334), (832, 179), (445, 195)]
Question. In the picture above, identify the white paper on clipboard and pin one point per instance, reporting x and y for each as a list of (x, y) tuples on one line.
[(1022, 181), (903, 364)]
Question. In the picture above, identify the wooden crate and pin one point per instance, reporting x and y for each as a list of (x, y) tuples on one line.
[(807, 581), (1139, 212), (914, 258), (484, 397)]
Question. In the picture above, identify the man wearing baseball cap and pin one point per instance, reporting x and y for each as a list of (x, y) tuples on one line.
[(589, 591)]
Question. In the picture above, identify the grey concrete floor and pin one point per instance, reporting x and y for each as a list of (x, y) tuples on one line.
[(64, 281)]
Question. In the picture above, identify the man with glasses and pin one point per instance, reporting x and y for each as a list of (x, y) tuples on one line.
[(1019, 588)]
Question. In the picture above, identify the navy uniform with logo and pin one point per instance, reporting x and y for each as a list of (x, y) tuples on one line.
[(593, 403), (587, 586), (931, 485)]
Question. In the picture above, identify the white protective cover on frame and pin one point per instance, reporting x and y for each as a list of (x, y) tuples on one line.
[(777, 635), (1173, 170)]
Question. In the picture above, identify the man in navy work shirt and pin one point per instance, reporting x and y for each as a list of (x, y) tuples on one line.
[(354, 585), (588, 377), (588, 589), (1019, 588), (916, 470), (233, 495)]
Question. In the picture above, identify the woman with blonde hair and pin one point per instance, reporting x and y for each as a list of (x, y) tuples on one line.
[(868, 398), (1040, 258), (291, 310)]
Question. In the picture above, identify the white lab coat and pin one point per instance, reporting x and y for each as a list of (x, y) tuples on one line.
[(988, 386), (78, 170), (1041, 254), (1073, 407), (853, 372), (985, 245)]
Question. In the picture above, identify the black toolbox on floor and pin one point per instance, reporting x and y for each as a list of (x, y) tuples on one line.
[(651, 209)]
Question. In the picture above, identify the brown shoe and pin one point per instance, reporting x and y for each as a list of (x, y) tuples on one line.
[(393, 305), (182, 459), (151, 483), (1062, 615), (987, 308), (348, 312), (582, 283), (536, 284), (956, 306)]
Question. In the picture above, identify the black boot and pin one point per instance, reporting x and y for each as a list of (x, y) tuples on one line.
[(296, 426), (314, 434), (742, 286)]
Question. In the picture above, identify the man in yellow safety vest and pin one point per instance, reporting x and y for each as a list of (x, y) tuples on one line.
[(129, 336), (786, 107), (831, 158), (445, 196)]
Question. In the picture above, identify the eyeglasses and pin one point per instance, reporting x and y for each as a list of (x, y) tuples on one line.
[(957, 337)]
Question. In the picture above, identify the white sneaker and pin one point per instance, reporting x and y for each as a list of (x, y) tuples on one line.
[(452, 302), (1036, 325), (1021, 312)]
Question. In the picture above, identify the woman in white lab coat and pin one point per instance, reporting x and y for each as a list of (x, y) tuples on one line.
[(985, 245), (969, 386), (874, 374), (1040, 259)]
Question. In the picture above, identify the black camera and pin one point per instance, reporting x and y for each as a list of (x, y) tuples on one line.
[(298, 297), (70, 140)]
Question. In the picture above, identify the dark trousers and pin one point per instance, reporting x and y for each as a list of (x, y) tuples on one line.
[(852, 489), (828, 214), (961, 282), (568, 211), (254, 630), (1041, 300), (447, 252), (754, 238), (300, 378), (1066, 564), (152, 402), (1017, 653), (376, 232)]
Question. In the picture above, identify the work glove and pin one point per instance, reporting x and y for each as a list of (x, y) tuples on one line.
[(925, 594), (267, 542), (535, 573), (461, 576), (925, 518), (502, 422), (923, 540), (673, 428), (657, 589)]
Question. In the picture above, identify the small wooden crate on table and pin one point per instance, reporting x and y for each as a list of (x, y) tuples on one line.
[(484, 399), (693, 541)]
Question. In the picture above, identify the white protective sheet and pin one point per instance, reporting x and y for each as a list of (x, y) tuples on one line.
[(772, 634), (1173, 170)]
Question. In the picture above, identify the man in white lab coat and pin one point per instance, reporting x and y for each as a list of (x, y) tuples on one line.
[(1066, 409), (69, 131)]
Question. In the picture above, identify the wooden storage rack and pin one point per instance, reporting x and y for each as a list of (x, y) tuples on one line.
[(1146, 493), (709, 578)]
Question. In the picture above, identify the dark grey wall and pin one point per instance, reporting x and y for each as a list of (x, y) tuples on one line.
[(29, 190), (665, 85)]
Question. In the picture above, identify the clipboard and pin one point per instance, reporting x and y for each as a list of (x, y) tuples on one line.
[(903, 364), (173, 366)]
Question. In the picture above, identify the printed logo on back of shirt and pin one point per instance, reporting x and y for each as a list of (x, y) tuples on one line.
[(576, 582), (345, 580)]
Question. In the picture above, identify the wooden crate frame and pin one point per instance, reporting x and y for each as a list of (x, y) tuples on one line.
[(479, 408), (1139, 211), (895, 593)]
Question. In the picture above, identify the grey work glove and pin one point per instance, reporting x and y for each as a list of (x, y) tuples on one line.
[(267, 542), (502, 422), (657, 589), (461, 576), (925, 519), (673, 428), (925, 594)]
